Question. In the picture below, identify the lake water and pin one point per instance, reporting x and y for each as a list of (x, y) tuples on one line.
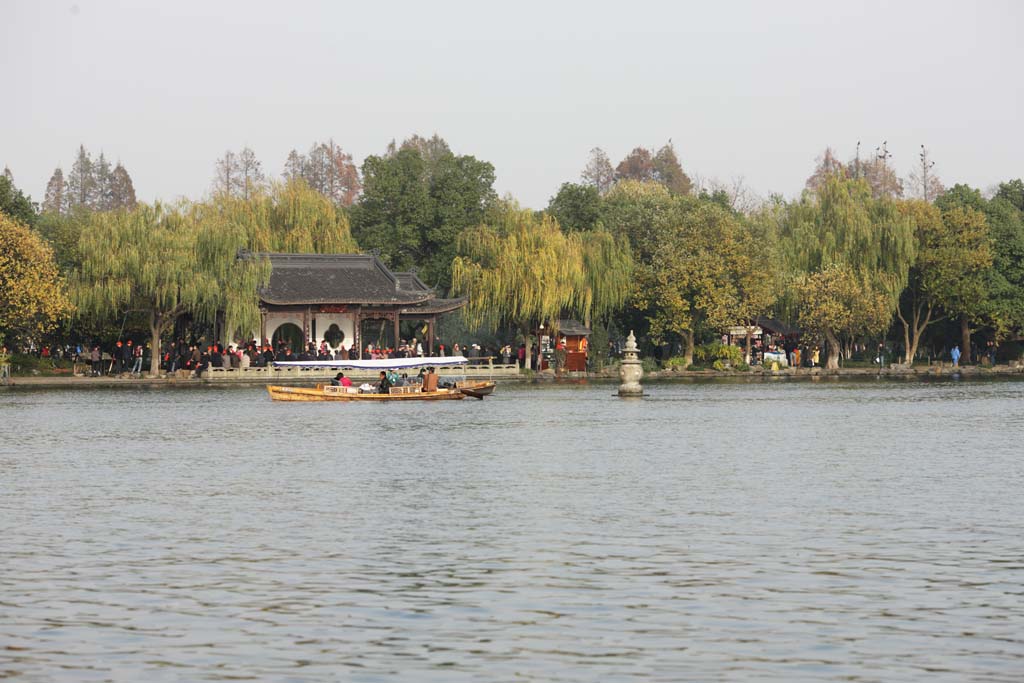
[(818, 531)]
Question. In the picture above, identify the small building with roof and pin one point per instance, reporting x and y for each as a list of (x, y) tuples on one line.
[(349, 300)]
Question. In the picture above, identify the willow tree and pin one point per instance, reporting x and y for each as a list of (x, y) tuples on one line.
[(289, 217), (160, 261), (842, 224), (524, 270)]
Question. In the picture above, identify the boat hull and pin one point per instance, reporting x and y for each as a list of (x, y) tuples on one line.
[(478, 389), (305, 394)]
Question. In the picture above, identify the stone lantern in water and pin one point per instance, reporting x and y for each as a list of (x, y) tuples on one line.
[(630, 371)]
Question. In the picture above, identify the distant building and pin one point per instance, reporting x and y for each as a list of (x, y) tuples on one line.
[(347, 300)]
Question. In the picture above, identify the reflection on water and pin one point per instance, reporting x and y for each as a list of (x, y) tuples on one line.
[(862, 531)]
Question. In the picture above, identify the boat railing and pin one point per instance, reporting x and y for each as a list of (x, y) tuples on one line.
[(482, 369)]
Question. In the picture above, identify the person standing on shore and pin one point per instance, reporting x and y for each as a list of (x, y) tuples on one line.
[(96, 357), (137, 358), (955, 355)]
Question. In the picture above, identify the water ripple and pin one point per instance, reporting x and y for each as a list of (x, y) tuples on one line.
[(838, 531)]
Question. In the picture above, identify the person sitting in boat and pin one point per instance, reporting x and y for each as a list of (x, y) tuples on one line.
[(336, 382), (393, 377), (384, 386)]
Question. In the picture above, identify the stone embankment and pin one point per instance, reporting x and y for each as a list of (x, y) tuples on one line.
[(507, 373)]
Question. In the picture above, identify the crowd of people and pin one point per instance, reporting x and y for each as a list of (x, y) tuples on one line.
[(131, 356)]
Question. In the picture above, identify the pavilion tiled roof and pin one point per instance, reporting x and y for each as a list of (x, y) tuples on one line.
[(435, 306), (339, 279), (573, 328)]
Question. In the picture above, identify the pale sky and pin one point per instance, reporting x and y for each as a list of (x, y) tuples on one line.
[(743, 88)]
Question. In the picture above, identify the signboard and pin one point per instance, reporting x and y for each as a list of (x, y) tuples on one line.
[(740, 331), (333, 309)]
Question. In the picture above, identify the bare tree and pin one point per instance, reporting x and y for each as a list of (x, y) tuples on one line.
[(598, 171), (329, 170), (294, 165), (827, 164), (923, 181), (250, 174), (225, 180)]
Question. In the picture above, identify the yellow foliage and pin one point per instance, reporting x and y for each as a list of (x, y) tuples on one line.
[(32, 294)]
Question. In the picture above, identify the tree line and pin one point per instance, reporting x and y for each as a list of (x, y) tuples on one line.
[(861, 255)]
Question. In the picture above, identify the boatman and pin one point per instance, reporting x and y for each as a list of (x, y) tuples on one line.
[(384, 387)]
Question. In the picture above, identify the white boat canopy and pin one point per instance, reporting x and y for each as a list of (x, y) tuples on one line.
[(379, 364)]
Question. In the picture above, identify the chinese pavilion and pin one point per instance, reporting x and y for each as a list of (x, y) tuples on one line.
[(346, 299)]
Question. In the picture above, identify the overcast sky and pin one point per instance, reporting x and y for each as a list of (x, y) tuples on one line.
[(746, 88)]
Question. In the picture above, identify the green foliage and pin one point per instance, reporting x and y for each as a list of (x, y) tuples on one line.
[(62, 231), (841, 242), (412, 209), (164, 262), (576, 207), (597, 351), (31, 364), (649, 365), (15, 203), (840, 301), (718, 354), (699, 264), (990, 290), (1012, 191), (676, 363)]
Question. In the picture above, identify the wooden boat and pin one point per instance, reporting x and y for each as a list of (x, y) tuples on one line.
[(330, 393), (478, 389), (430, 391)]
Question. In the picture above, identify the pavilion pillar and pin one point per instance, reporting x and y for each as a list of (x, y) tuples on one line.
[(305, 328), (358, 335), (397, 330), (430, 335), (263, 327)]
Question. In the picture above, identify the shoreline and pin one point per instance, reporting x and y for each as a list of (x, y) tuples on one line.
[(926, 372)]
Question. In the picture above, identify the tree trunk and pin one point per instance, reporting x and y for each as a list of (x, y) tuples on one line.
[(528, 360), (913, 330), (965, 340), (906, 340), (832, 362), (156, 325)]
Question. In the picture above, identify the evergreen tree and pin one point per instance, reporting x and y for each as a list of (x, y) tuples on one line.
[(55, 199), (102, 182), (81, 182), (122, 190)]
